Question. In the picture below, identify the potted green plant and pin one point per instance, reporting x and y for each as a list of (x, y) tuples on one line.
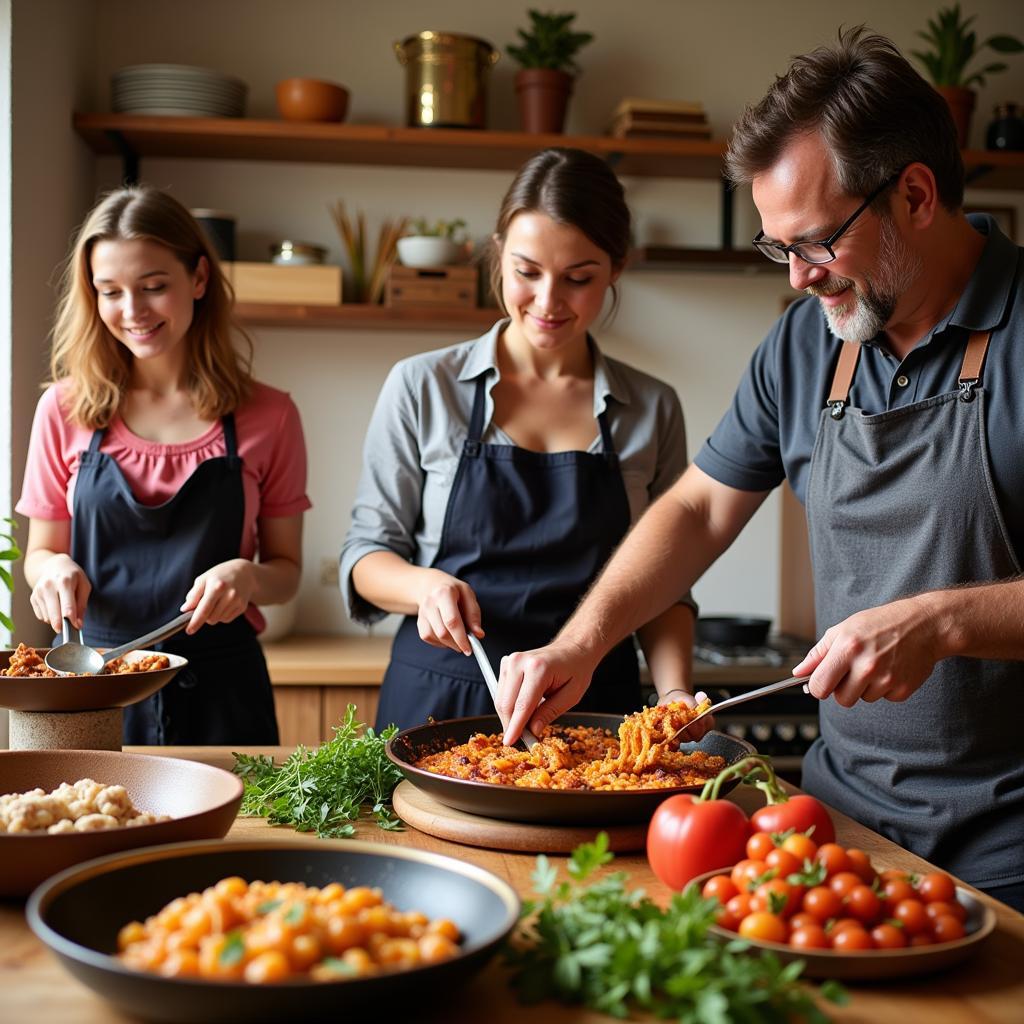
[(432, 243), (953, 45), (10, 553), (546, 56)]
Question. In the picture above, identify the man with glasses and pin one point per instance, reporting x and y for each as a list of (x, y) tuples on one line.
[(890, 401)]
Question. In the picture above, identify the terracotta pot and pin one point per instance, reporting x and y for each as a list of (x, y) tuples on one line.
[(961, 106), (543, 98)]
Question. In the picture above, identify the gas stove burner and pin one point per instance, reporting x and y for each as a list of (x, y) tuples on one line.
[(718, 654)]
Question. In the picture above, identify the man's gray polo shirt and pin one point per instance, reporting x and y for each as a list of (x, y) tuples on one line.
[(768, 434)]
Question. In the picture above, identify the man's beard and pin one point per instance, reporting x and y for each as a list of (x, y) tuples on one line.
[(866, 312)]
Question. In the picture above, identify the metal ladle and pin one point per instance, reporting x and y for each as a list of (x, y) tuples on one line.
[(79, 659)]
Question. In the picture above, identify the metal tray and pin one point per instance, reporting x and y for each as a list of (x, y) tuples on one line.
[(549, 806), (83, 693)]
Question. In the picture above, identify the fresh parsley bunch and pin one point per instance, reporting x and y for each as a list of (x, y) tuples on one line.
[(324, 790), (615, 950)]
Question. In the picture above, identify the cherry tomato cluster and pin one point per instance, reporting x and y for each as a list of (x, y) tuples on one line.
[(790, 890)]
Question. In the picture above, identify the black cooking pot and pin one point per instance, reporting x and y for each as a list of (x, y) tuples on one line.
[(733, 631)]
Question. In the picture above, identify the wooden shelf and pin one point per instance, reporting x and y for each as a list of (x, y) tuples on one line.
[(235, 138), (671, 258), (996, 169), (356, 315)]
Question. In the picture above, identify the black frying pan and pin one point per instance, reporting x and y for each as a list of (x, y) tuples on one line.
[(82, 693), (550, 806), (733, 630)]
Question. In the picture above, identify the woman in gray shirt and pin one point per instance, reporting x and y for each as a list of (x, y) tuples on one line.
[(500, 474)]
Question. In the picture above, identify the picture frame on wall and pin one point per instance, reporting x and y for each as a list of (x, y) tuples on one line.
[(1004, 216)]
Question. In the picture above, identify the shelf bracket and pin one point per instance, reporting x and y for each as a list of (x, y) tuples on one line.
[(129, 157), (976, 172), (727, 211)]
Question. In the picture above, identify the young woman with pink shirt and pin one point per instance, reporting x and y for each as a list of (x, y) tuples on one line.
[(161, 477)]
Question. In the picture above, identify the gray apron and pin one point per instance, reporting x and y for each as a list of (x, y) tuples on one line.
[(899, 503)]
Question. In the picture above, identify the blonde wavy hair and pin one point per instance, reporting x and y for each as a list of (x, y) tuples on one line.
[(92, 366)]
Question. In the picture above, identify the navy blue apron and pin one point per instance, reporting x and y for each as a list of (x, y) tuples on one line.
[(528, 531), (142, 560)]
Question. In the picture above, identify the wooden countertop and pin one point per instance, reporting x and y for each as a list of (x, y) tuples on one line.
[(317, 660), (988, 989)]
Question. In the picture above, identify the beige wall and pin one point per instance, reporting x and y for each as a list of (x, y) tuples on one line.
[(696, 331)]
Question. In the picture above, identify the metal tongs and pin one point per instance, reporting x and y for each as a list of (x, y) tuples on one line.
[(492, 685), (761, 691)]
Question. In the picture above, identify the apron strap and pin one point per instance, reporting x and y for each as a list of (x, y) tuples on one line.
[(230, 436), (974, 359), (607, 444), (476, 419), (96, 440), (839, 396)]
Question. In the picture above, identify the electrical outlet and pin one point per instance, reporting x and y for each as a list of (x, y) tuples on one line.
[(328, 572)]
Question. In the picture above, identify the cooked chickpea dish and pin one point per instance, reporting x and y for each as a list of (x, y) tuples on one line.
[(27, 661), (266, 932), (583, 757), (87, 806)]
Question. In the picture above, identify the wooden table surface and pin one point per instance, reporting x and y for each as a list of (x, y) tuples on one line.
[(987, 988)]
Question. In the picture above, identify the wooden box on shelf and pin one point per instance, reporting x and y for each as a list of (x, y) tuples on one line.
[(450, 286), (310, 285)]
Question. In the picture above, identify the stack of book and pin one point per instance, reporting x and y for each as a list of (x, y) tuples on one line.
[(645, 119)]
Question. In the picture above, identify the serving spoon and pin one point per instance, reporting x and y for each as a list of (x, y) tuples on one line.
[(79, 659), (492, 685), (742, 698)]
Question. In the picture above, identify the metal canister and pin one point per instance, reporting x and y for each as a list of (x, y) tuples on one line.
[(446, 79)]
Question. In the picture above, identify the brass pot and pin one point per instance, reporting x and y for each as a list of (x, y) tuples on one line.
[(446, 79)]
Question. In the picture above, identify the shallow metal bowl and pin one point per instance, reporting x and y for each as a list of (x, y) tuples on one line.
[(83, 693), (550, 806)]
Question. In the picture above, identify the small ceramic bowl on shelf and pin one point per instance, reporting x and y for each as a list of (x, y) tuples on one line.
[(311, 99), (428, 251)]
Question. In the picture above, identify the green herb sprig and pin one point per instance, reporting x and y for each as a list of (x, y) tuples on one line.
[(324, 790), (614, 950)]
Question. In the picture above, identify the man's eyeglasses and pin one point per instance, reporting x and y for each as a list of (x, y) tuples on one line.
[(822, 251)]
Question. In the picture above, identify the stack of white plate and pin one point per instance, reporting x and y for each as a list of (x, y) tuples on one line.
[(177, 89)]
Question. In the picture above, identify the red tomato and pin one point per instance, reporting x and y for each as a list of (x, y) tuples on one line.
[(783, 861), (911, 914), (738, 907), (763, 926), (688, 837), (834, 858), (745, 872), (759, 845), (942, 909), (896, 889), (947, 929), (888, 936), (842, 883), (802, 847), (936, 887), (798, 812), (802, 920), (823, 903), (863, 904), (851, 940), (777, 897), (720, 888), (860, 864), (811, 936)]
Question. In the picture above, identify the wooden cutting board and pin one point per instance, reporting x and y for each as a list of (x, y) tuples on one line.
[(423, 812)]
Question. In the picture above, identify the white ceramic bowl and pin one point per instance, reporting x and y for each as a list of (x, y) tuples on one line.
[(428, 251)]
